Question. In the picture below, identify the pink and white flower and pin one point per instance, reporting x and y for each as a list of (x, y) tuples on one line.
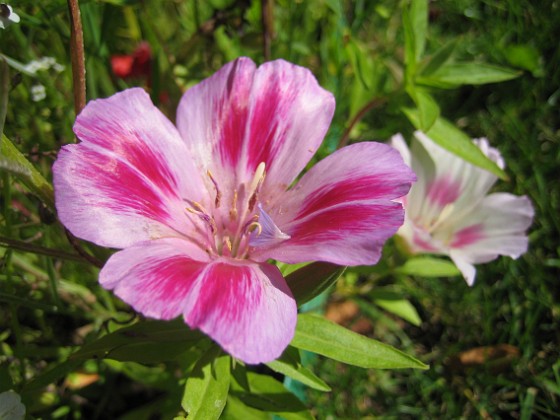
[(198, 209), (449, 212)]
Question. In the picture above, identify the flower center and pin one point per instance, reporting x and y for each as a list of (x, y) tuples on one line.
[(232, 219)]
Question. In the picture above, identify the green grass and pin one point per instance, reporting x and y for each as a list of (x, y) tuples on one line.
[(49, 306)]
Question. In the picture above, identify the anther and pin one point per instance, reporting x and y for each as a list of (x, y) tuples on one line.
[(218, 193), (254, 226), (233, 210)]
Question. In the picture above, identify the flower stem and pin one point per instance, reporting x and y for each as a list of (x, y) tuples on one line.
[(77, 56), (374, 103)]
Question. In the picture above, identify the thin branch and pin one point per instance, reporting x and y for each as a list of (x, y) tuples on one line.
[(37, 249), (77, 56), (79, 83), (268, 26), (374, 103)]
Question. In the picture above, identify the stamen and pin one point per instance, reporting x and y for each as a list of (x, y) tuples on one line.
[(201, 212), (258, 178), (233, 210), (227, 241), (254, 226), (218, 193)]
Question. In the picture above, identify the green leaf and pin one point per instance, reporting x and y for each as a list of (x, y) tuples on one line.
[(428, 109), (4, 91), (456, 141), (236, 410), (428, 267), (419, 21), (396, 304), (312, 280), (456, 74), (267, 394), (289, 364), (525, 57), (409, 47), (144, 342), (207, 387), (316, 334), (438, 59), (13, 161)]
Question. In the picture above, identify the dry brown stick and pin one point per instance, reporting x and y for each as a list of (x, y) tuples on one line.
[(77, 56), (374, 103), (79, 85), (268, 26)]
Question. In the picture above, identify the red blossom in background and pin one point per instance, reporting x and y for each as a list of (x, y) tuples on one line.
[(134, 66)]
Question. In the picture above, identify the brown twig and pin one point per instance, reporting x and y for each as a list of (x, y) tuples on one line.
[(77, 56), (374, 103), (268, 27)]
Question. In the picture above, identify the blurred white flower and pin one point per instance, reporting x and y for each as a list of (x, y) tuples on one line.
[(7, 16), (449, 212), (38, 93), (11, 407), (43, 64)]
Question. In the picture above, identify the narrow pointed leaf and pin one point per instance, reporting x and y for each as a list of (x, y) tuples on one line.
[(13, 161), (144, 342), (456, 141), (289, 365), (438, 59), (428, 267), (4, 90), (456, 74), (235, 410), (419, 20), (409, 47), (396, 304), (207, 386), (267, 394), (313, 279), (316, 334), (428, 109)]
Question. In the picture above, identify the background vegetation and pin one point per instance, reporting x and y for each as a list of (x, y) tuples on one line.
[(508, 321)]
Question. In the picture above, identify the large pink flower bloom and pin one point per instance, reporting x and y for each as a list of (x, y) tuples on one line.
[(449, 212), (199, 208)]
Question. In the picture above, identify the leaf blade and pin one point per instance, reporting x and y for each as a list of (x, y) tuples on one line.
[(316, 334)]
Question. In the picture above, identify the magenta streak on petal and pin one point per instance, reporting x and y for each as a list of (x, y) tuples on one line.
[(443, 191), (233, 109), (340, 223), (132, 148), (422, 244), (468, 236), (167, 286), (349, 190), (265, 136), (124, 188), (231, 297)]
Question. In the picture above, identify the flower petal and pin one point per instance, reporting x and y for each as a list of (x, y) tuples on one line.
[(155, 277), (246, 308), (496, 227), (242, 116), (126, 180), (342, 210)]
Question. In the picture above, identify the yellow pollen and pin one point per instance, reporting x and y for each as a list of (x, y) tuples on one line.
[(255, 226), (233, 210)]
